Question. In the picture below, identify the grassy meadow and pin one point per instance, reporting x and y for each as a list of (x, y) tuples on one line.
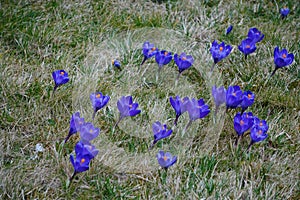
[(83, 37)]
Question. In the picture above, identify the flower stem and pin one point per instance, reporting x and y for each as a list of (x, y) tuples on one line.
[(212, 67), (276, 68), (237, 140), (158, 73), (72, 177), (250, 145), (187, 126), (145, 58), (116, 124), (93, 117), (177, 78)]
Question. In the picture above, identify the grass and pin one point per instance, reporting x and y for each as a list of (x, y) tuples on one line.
[(83, 37)]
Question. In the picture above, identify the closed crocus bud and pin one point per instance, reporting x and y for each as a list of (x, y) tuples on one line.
[(219, 95), (229, 29), (284, 12)]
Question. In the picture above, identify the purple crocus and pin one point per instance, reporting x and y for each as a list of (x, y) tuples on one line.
[(60, 77), (282, 59), (197, 109), (242, 123), (116, 63), (75, 124), (229, 29), (166, 160), (261, 124), (163, 58), (219, 95), (284, 12), (84, 155), (88, 132), (148, 50), (219, 51), (257, 135), (98, 101), (127, 108), (179, 106), (160, 131), (86, 148), (255, 35), (234, 96), (247, 46), (248, 100), (183, 62)]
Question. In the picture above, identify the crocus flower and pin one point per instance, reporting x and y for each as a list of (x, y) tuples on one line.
[(284, 12), (183, 62), (179, 106), (242, 123), (229, 29), (257, 135), (261, 124), (234, 96), (248, 100), (148, 50), (88, 132), (84, 155), (75, 124), (163, 57), (219, 95), (197, 109), (255, 35), (282, 59), (247, 46), (160, 131), (60, 77), (98, 101), (166, 160), (86, 148), (219, 51), (127, 108), (116, 63)]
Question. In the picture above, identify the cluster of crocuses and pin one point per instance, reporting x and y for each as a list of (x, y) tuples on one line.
[(163, 57), (234, 97), (84, 150), (220, 51)]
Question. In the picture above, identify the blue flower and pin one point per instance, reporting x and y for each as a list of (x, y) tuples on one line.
[(197, 109), (248, 100), (75, 124), (127, 107), (219, 51), (234, 96), (163, 57), (242, 122), (219, 95), (229, 29), (148, 50), (88, 132), (179, 106), (160, 131), (261, 124), (98, 101), (255, 35), (116, 63), (183, 61), (284, 12), (166, 160), (257, 135), (247, 46), (282, 59), (60, 77)]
